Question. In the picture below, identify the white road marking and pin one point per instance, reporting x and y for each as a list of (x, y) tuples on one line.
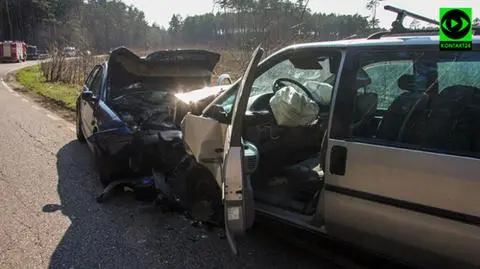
[(6, 86), (25, 100), (36, 107), (53, 117), (16, 94)]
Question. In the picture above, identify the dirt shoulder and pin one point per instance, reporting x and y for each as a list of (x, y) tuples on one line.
[(45, 102)]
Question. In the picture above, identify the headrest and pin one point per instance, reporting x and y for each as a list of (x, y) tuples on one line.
[(363, 79), (406, 82), (412, 83)]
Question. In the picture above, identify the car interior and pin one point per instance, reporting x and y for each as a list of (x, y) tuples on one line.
[(286, 122)]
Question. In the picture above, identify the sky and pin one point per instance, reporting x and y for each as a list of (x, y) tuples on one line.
[(161, 11)]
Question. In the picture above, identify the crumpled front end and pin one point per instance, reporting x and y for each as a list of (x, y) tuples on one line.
[(137, 152)]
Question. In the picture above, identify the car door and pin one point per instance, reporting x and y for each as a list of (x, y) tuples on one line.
[(237, 204), (409, 198), (89, 106), (82, 104)]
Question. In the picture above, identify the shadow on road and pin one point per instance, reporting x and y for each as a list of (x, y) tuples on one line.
[(123, 234), (96, 236)]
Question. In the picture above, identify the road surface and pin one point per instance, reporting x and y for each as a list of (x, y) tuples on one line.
[(49, 217)]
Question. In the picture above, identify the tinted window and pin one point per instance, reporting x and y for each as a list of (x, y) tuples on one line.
[(422, 100)]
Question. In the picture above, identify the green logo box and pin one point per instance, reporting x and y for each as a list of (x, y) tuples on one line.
[(455, 28)]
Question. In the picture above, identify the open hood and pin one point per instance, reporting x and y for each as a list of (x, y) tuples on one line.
[(170, 70)]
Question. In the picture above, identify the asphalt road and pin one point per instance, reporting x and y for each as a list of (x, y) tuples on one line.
[(50, 219)]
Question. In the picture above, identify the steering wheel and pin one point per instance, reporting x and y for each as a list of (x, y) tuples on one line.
[(279, 83)]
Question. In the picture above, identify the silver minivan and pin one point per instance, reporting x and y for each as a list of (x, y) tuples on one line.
[(372, 141)]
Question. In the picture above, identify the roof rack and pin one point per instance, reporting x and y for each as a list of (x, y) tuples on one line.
[(398, 29)]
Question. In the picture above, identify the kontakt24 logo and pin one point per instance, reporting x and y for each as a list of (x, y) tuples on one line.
[(456, 28)]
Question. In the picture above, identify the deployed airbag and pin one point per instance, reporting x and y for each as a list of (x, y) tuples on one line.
[(321, 91), (293, 108)]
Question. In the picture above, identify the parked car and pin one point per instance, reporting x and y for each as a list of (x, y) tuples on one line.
[(32, 53), (372, 141), (69, 52), (125, 107)]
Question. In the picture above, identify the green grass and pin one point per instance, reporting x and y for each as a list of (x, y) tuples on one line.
[(33, 79)]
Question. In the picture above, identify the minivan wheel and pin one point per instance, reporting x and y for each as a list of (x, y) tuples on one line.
[(204, 196), (80, 135)]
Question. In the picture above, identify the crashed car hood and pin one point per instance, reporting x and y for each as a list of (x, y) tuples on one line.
[(173, 69)]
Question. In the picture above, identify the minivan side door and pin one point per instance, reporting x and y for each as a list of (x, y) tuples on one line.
[(238, 205), (402, 194)]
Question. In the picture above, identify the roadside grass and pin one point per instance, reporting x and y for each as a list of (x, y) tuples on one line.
[(33, 79)]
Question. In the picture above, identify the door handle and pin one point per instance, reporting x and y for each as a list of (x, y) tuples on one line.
[(338, 160)]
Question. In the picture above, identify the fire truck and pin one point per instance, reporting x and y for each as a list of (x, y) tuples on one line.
[(13, 51)]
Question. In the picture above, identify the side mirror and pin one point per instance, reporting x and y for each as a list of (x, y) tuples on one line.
[(87, 96), (223, 77), (217, 112)]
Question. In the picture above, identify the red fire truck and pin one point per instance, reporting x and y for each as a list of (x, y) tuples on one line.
[(13, 51)]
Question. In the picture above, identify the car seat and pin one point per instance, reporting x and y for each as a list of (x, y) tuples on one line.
[(406, 115), (453, 120), (365, 107)]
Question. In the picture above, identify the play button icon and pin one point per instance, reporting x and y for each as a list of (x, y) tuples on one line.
[(452, 23)]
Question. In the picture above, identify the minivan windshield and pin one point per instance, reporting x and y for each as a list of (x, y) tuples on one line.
[(310, 76)]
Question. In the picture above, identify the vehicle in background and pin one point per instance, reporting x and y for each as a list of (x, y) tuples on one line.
[(43, 54), (69, 52), (13, 51), (32, 52)]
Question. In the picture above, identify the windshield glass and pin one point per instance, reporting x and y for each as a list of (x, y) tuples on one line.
[(320, 71)]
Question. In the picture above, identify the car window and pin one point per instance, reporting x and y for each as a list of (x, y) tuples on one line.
[(286, 69), (384, 76), (454, 73), (96, 82), (426, 100), (91, 76)]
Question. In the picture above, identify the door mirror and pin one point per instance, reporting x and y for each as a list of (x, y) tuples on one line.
[(88, 96), (218, 113), (222, 78)]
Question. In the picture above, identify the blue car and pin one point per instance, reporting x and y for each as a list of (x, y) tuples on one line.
[(127, 112)]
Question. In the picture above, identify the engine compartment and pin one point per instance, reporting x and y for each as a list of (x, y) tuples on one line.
[(144, 110)]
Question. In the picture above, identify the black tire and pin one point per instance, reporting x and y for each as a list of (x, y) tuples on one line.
[(203, 189), (80, 135)]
